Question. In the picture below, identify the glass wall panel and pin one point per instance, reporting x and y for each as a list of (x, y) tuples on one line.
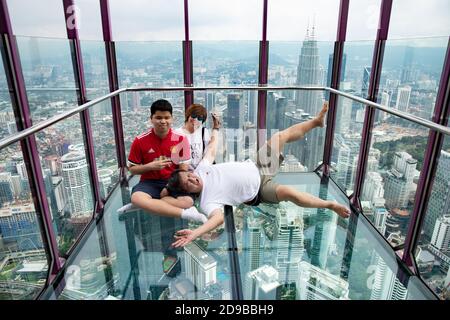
[(363, 17), (423, 19), (104, 146), (67, 179), (411, 73), (136, 112), (23, 261), (290, 20), (288, 62), (89, 20), (225, 20), (95, 68), (49, 78), (149, 64), (44, 18), (395, 161), (433, 250), (156, 20), (7, 120), (347, 143)]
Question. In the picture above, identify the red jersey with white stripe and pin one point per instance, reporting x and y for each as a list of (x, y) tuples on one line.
[(148, 146)]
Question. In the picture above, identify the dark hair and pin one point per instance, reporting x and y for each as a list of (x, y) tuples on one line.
[(197, 109), (174, 183), (160, 105)]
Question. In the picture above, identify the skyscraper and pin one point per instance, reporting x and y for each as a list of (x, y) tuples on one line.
[(439, 202), (252, 243), (18, 224), (262, 284), (441, 234), (330, 68), (403, 96), (200, 267), (308, 73), (386, 285), (399, 180), (366, 81), (289, 242), (235, 111), (77, 183), (317, 284)]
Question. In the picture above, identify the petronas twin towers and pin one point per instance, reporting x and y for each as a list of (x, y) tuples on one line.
[(309, 74)]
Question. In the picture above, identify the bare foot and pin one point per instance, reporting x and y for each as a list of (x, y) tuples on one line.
[(340, 209), (320, 117)]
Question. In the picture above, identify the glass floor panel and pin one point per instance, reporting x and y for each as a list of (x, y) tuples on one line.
[(128, 256), (291, 253), (283, 252)]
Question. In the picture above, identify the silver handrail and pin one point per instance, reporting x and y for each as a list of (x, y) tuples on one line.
[(46, 123)]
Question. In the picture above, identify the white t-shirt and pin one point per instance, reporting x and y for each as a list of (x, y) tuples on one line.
[(230, 183), (195, 140)]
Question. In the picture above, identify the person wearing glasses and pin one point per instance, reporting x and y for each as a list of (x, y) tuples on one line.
[(196, 133)]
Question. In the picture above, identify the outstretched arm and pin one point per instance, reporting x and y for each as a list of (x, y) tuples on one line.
[(211, 149), (186, 236)]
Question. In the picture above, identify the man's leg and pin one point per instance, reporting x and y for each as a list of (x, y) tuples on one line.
[(298, 131), (157, 206), (306, 200), (162, 208)]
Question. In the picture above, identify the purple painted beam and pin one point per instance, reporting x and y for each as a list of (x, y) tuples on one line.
[(434, 146), (335, 80), (21, 109), (262, 79), (377, 64), (188, 74), (113, 85)]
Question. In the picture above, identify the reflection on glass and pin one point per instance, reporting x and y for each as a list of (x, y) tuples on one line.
[(49, 78), (411, 73), (67, 180), (128, 257), (23, 262), (292, 253), (7, 122), (433, 251)]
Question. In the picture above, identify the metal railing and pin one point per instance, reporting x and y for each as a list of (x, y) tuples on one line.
[(46, 123)]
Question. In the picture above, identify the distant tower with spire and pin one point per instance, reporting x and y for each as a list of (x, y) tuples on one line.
[(308, 103), (308, 74)]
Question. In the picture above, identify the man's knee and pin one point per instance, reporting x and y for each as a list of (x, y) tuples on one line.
[(138, 197)]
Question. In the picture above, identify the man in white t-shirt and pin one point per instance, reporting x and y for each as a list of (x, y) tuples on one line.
[(234, 183)]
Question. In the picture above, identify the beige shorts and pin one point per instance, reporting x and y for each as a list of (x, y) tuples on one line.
[(268, 164)]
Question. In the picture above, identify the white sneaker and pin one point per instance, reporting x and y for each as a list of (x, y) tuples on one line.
[(127, 208)]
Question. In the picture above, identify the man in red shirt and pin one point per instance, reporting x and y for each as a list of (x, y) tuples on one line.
[(154, 155)]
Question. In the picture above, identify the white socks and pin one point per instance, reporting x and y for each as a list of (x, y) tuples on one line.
[(193, 214), (127, 207)]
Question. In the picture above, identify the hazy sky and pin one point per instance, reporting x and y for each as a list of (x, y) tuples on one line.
[(140, 20)]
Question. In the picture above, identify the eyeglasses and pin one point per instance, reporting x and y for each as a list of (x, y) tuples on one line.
[(198, 117)]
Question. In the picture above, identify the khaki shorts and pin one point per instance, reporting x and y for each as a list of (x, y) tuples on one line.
[(268, 164)]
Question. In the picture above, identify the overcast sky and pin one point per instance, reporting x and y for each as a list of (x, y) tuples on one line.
[(145, 20)]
